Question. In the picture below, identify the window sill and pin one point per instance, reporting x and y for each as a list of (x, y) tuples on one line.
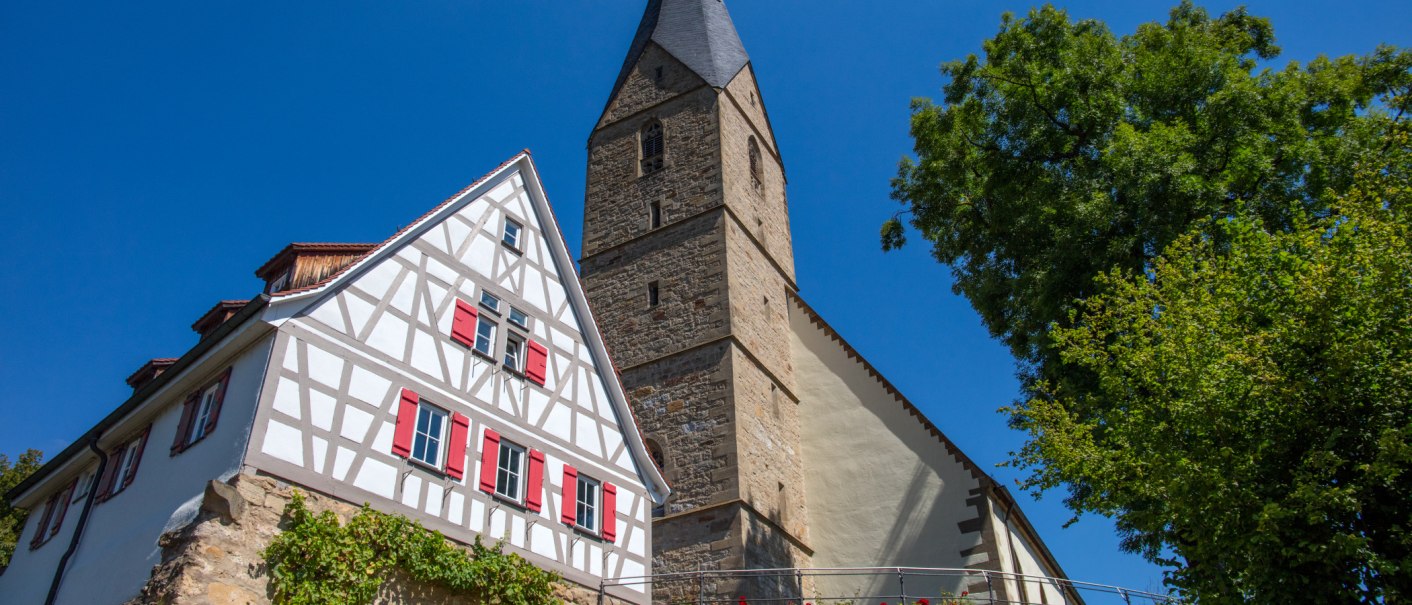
[(512, 248), (484, 356), (588, 533), (503, 499), (438, 471)]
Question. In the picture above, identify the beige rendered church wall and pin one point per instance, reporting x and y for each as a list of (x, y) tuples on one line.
[(883, 491), (1023, 557)]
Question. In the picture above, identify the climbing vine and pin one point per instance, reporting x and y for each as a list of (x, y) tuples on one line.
[(318, 560)]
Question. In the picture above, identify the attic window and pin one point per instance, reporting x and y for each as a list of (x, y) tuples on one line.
[(653, 147), (512, 234), (279, 283)]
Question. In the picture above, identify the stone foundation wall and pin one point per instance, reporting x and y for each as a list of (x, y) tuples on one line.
[(216, 559)]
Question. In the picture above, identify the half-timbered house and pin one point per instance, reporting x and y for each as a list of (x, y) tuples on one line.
[(452, 373)]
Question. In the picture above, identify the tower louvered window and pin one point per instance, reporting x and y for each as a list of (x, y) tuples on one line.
[(755, 162), (653, 147)]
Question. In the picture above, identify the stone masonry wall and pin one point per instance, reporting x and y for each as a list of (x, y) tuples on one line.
[(763, 209), (215, 560), (688, 262)]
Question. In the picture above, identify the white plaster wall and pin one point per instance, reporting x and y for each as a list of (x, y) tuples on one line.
[(1026, 553), (881, 490), (119, 546)]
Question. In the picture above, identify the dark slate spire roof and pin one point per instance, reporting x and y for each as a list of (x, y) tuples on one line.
[(699, 33)]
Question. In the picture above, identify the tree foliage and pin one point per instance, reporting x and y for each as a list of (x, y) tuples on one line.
[(316, 560), (1067, 151), (12, 520), (1201, 265), (1251, 410)]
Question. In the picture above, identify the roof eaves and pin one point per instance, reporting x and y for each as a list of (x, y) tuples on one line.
[(139, 397)]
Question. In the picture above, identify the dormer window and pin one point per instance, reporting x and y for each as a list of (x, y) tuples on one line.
[(279, 283), (653, 147)]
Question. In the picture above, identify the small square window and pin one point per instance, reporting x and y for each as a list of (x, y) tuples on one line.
[(509, 470), (430, 435), (489, 301), (587, 511), (485, 336), (519, 318), (514, 354), (512, 234), (654, 294), (202, 419)]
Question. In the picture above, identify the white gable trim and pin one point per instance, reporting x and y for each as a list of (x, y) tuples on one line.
[(290, 304)]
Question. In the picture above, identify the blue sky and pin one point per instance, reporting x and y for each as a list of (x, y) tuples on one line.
[(153, 154)]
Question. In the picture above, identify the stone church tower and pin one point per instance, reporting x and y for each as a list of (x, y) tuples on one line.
[(688, 265)]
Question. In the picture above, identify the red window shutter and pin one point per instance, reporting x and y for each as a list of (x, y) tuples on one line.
[(41, 531), (216, 406), (489, 456), (568, 513), (188, 413), (63, 504), (534, 490), (137, 457), (463, 323), (536, 362), (456, 459), (110, 473), (610, 512), (406, 423)]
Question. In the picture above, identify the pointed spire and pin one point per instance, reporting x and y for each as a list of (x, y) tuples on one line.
[(699, 33)]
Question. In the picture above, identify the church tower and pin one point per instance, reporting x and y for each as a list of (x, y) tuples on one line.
[(688, 265)]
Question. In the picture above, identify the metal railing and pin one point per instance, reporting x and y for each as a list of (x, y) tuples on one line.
[(876, 586)]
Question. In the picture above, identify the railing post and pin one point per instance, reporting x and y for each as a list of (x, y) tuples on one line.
[(989, 589), (901, 587), (601, 587), (799, 577), (700, 585)]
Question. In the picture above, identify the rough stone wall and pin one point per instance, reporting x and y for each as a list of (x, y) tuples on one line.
[(215, 560), (763, 208), (643, 89), (617, 194), (684, 403), (687, 260)]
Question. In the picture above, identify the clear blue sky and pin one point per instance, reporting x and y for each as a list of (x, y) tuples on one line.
[(153, 154)]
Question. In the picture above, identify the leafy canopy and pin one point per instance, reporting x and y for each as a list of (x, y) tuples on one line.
[(12, 520), (1202, 268), (1250, 413), (316, 560)]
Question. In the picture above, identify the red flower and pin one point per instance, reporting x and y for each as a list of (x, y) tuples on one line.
[(964, 593), (742, 600), (924, 602)]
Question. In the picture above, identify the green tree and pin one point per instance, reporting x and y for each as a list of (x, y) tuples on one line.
[(1250, 413), (1056, 173), (12, 520)]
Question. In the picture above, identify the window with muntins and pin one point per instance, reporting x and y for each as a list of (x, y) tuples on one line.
[(490, 301), (653, 147), (485, 337), (586, 512), (206, 406), (429, 436), (509, 470), (512, 234)]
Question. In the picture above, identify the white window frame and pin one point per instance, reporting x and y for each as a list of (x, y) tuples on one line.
[(589, 508), (511, 233), (488, 339), (510, 465), (203, 413), (490, 301), (518, 318), (515, 353), (420, 436)]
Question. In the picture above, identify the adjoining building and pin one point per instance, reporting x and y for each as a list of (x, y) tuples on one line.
[(784, 446), (452, 373)]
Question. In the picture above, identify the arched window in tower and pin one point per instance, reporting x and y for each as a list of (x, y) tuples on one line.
[(653, 147), (755, 162)]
